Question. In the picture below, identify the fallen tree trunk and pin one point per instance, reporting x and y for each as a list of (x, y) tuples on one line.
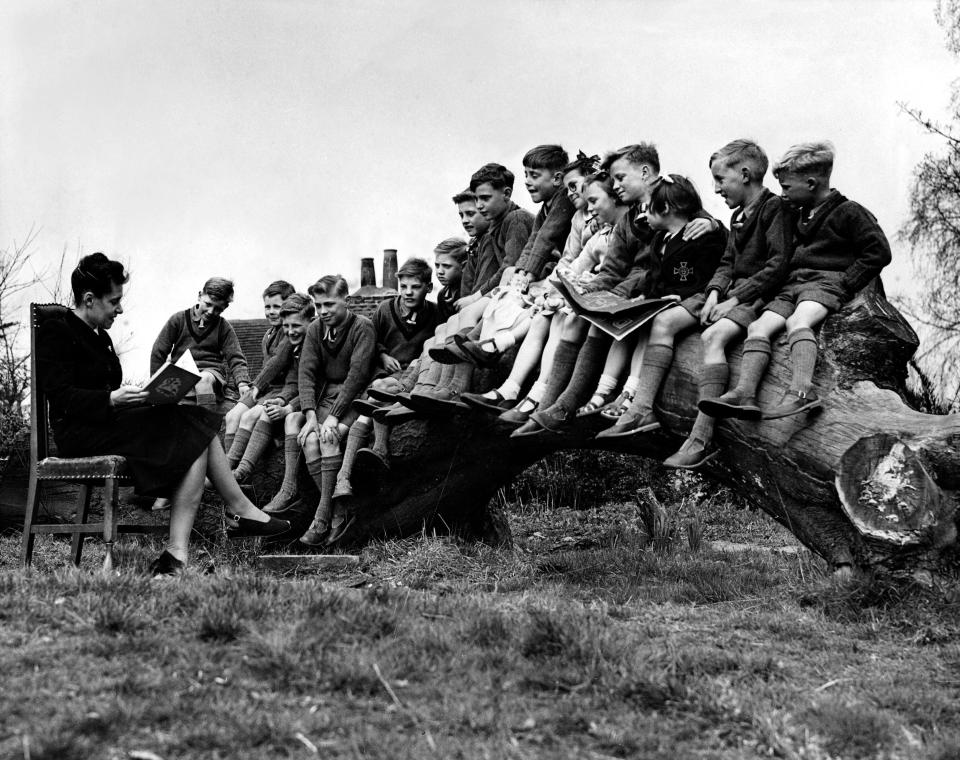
[(869, 481)]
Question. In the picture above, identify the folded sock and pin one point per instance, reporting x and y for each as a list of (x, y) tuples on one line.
[(713, 382), (656, 363), (260, 438), (239, 445), (509, 389), (756, 357), (536, 391), (633, 382)]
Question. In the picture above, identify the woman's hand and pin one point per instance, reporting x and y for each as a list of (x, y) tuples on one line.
[(128, 395)]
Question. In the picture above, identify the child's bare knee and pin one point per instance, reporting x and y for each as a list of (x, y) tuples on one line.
[(328, 448)]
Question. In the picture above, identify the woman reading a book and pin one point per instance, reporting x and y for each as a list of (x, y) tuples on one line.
[(169, 449)]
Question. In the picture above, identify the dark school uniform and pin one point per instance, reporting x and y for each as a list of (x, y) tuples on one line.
[(548, 236), (446, 302), (837, 250), (686, 266), (335, 368), (77, 368), (402, 335), (755, 262), (501, 247)]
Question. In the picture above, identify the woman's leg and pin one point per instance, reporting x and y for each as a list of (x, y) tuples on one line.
[(186, 500), (222, 478)]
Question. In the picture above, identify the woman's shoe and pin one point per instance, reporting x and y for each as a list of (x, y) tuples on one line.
[(166, 564), (248, 528)]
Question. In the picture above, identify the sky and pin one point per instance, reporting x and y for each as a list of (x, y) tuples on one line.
[(261, 139)]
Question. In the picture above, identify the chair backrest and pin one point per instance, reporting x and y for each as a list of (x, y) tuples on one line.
[(39, 424)]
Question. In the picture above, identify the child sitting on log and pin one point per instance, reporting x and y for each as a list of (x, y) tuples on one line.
[(628, 270), (751, 272), (551, 318), (401, 324), (275, 351), (685, 267), (336, 364), (506, 317), (265, 418), (838, 248), (499, 228), (210, 339)]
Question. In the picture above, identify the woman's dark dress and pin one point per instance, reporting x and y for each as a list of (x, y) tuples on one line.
[(77, 369)]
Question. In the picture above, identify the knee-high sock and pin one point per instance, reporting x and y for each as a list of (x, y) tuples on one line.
[(259, 440), (803, 358), (228, 442), (428, 375), (381, 439), (356, 440), (324, 473), (586, 373), (713, 382), (291, 458), (446, 375), (408, 377), (239, 445), (460, 377), (756, 357), (564, 360), (656, 363)]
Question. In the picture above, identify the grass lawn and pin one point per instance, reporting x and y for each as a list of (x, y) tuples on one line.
[(582, 641)]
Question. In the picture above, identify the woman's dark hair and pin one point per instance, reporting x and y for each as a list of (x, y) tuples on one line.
[(675, 193), (96, 274)]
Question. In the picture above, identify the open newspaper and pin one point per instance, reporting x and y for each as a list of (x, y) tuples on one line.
[(615, 315), (173, 381)]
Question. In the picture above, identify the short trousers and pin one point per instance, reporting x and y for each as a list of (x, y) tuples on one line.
[(815, 285), (325, 402), (741, 314)]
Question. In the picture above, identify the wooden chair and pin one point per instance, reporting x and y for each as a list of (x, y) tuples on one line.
[(108, 471)]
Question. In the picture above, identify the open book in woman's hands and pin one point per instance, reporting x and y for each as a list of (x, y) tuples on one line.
[(173, 381)]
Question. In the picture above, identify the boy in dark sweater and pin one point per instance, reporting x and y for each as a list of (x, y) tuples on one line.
[(838, 248), (276, 350), (211, 340), (259, 423), (401, 325), (475, 224), (449, 258), (336, 364), (751, 272)]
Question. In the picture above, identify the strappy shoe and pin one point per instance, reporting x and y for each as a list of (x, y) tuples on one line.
[(597, 403), (618, 407)]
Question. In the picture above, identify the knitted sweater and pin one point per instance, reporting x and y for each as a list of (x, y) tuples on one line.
[(841, 236), (686, 266), (348, 360), (291, 379), (501, 247), (212, 346), (548, 236), (628, 249), (399, 339), (755, 262), (276, 361)]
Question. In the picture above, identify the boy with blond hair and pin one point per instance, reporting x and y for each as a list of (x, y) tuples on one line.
[(838, 248)]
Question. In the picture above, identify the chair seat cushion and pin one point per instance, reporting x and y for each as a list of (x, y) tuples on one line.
[(82, 468)]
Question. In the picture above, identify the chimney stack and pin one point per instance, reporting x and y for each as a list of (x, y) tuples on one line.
[(390, 268), (368, 274)]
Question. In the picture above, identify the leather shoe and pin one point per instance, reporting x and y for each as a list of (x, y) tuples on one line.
[(365, 406), (489, 405), (794, 402), (555, 419), (691, 455), (475, 352), (166, 564), (316, 534), (731, 404), (516, 416), (631, 424), (251, 528), (528, 429)]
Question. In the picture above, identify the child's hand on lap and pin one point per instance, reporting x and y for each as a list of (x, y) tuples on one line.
[(329, 431), (390, 364), (722, 309), (708, 306)]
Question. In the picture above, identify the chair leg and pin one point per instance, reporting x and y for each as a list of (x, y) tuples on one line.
[(29, 516), (111, 494), (83, 507)]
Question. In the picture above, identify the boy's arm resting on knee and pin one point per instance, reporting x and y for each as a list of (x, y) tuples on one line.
[(311, 373), (233, 354), (361, 367)]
